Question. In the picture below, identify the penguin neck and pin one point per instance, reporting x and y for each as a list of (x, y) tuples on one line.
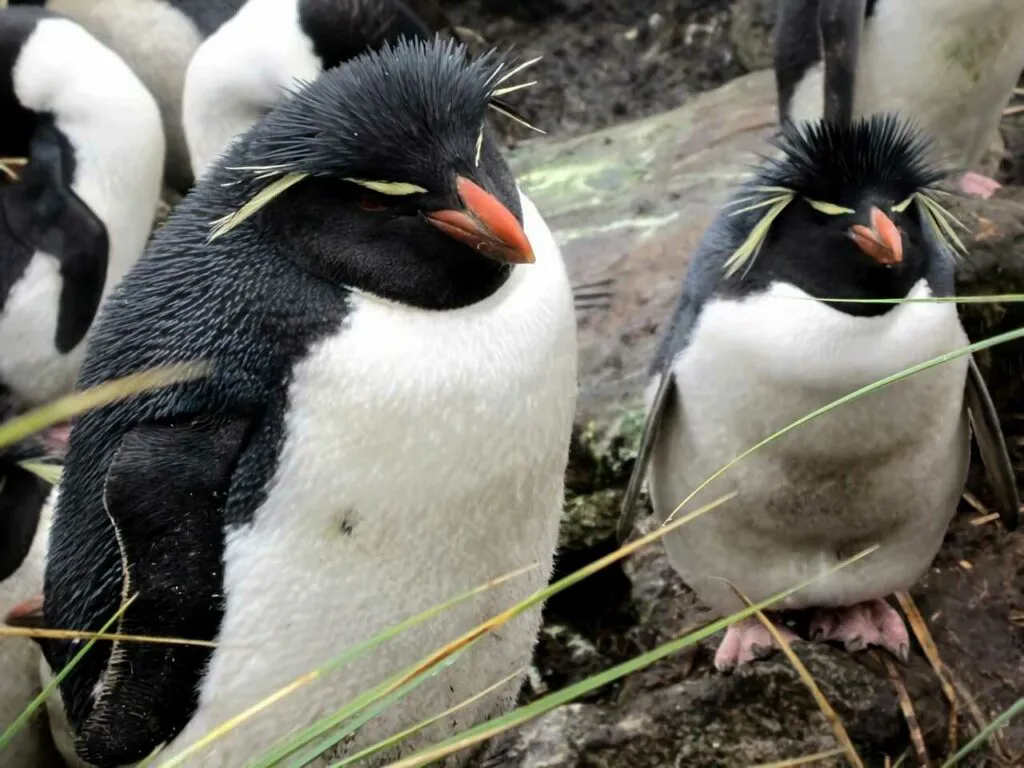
[(112, 124)]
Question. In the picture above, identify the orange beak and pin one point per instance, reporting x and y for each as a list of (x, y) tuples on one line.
[(882, 242), (485, 225)]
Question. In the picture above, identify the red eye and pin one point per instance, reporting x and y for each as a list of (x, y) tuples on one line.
[(370, 204)]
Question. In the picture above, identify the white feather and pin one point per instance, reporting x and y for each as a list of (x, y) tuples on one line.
[(243, 70), (113, 125)]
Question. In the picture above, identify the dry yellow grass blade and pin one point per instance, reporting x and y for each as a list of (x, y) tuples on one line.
[(398, 737), (480, 733), (229, 725), (796, 762), (931, 652), (830, 714), (907, 708), (67, 408), (1013, 110), (69, 634), (981, 722)]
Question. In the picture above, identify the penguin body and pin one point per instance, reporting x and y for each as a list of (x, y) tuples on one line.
[(77, 214), (239, 73), (386, 425), (156, 38), (754, 346), (948, 65), (269, 47)]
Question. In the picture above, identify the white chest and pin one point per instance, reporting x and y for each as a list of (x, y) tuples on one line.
[(885, 469)]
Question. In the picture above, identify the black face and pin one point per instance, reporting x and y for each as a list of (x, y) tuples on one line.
[(855, 225), (401, 192)]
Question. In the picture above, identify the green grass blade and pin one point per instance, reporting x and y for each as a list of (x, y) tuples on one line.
[(996, 298), (66, 408), (12, 730), (308, 755), (402, 736), (336, 663), (992, 341), (545, 704), (49, 473), (1017, 708), (494, 622)]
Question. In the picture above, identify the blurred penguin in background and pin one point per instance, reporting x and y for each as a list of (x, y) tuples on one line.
[(847, 212), (25, 516), (81, 158), (215, 66), (948, 65), (392, 341), (256, 59)]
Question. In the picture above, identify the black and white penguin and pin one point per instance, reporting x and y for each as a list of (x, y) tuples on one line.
[(252, 62), (393, 346), (239, 71), (949, 65), (846, 212), (24, 521), (81, 154)]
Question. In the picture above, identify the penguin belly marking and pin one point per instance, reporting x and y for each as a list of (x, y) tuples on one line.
[(754, 366), (447, 432)]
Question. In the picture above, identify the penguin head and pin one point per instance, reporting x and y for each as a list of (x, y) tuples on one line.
[(381, 175), (847, 211)]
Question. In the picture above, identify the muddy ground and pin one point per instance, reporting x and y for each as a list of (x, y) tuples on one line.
[(607, 63)]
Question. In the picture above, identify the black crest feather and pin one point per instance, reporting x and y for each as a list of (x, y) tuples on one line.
[(829, 160), (382, 110)]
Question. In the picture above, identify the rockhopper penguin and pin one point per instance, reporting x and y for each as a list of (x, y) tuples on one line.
[(386, 425), (950, 65), (81, 153), (846, 212), (215, 66)]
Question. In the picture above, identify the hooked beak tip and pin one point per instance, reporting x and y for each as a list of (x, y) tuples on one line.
[(881, 241), (485, 225)]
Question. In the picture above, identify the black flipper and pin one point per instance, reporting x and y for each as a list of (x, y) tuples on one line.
[(165, 493), (43, 212), (992, 446), (22, 495), (663, 398), (840, 23)]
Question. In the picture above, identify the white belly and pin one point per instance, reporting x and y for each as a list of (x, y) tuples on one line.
[(30, 364), (886, 469), (425, 455), (948, 64)]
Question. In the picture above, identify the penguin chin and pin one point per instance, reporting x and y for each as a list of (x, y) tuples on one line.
[(60, 728)]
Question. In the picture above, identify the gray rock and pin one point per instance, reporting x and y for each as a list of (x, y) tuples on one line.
[(751, 32)]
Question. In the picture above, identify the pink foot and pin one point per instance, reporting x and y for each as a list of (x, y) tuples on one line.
[(976, 185), (873, 622), (745, 641), (56, 438)]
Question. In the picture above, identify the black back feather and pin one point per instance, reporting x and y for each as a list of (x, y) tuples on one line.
[(373, 117)]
